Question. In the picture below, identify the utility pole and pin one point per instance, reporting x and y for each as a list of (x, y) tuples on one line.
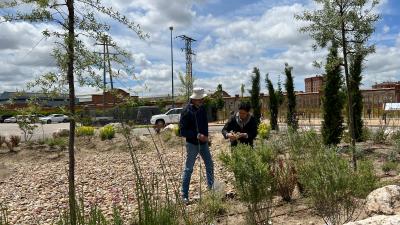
[(188, 53), (172, 69), (106, 56)]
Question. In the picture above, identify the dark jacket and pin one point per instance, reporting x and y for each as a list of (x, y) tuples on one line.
[(250, 128), (193, 122)]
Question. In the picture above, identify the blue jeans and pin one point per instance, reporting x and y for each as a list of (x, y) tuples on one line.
[(192, 152)]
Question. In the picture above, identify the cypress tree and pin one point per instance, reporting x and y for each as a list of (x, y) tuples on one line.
[(332, 102), (291, 113), (255, 94), (355, 82), (273, 104)]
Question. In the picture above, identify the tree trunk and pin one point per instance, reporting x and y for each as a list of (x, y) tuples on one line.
[(349, 96), (70, 77)]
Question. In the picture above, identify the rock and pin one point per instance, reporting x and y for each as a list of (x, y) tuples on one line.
[(382, 200), (378, 220)]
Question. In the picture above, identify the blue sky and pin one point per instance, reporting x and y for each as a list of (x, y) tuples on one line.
[(232, 38)]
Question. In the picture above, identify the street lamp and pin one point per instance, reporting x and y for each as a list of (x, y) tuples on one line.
[(172, 69)]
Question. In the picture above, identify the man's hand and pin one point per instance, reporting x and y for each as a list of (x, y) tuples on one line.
[(202, 137), (231, 136), (243, 135)]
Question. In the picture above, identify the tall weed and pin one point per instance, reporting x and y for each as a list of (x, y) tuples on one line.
[(286, 178)]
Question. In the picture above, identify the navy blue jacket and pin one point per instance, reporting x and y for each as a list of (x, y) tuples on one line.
[(193, 122), (250, 128)]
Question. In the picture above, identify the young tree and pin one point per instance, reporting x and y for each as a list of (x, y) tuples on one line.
[(186, 84), (279, 95), (273, 104), (355, 76), (350, 23), (255, 94), (291, 97), (332, 103), (219, 97), (241, 90), (74, 58)]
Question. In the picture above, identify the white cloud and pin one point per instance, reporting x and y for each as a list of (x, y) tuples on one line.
[(386, 29)]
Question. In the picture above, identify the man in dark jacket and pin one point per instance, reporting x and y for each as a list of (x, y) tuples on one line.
[(241, 127), (194, 127)]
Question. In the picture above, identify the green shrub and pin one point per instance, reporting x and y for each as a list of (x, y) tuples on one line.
[(211, 206), (107, 132), (85, 131), (389, 166), (264, 130), (395, 135), (286, 179), (94, 217), (380, 136), (333, 187), (366, 134), (254, 180), (60, 142)]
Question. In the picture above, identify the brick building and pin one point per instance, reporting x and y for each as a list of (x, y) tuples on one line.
[(108, 100), (314, 84)]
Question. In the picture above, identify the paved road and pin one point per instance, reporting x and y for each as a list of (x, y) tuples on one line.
[(7, 129)]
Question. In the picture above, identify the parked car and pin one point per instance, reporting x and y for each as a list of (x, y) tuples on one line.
[(12, 119), (57, 118), (3, 117), (172, 116)]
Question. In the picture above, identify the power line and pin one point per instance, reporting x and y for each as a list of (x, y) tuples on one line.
[(188, 53)]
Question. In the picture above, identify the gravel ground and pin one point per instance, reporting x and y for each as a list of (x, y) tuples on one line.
[(34, 181)]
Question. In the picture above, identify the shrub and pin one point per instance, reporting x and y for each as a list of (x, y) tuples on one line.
[(264, 131), (107, 132), (395, 135), (211, 206), (25, 124), (15, 140), (2, 140), (333, 186), (59, 141), (286, 179), (3, 215), (85, 131), (254, 180), (380, 136), (389, 166), (366, 134), (392, 157)]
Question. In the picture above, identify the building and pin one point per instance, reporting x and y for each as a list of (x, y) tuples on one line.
[(21, 99), (314, 84), (386, 85), (108, 100)]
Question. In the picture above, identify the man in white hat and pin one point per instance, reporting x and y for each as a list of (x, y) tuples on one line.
[(194, 126)]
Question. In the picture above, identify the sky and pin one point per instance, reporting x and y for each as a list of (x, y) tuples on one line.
[(232, 37)]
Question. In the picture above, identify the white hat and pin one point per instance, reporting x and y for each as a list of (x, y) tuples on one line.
[(198, 93)]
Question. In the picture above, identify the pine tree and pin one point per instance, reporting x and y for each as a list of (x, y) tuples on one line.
[(255, 94), (273, 104), (291, 97), (332, 102), (356, 77)]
